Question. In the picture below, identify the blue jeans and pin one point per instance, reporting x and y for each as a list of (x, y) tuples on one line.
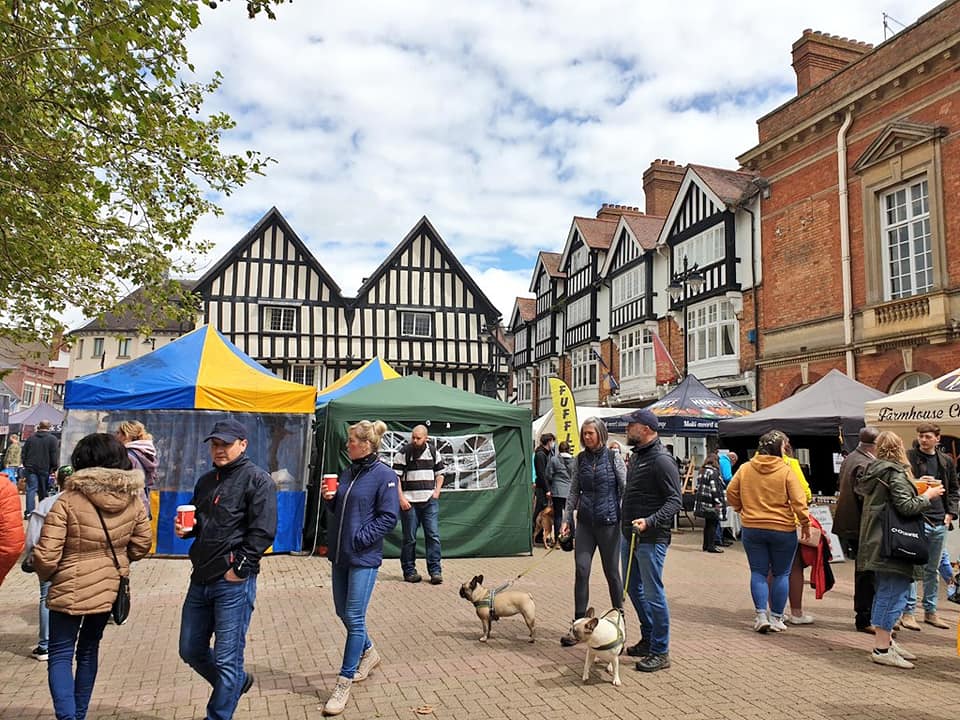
[(221, 609), (426, 514), (43, 637), (645, 588), (36, 489), (936, 537), (769, 552), (352, 588), (889, 599), (71, 634)]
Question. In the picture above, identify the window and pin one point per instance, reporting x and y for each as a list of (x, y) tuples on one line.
[(520, 339), (303, 374), (578, 312), (80, 348), (909, 381), (97, 347), (544, 328), (583, 365), (636, 354), (524, 384), (579, 259), (908, 252), (280, 319), (704, 249), (45, 391), (712, 331), (123, 347), (416, 324), (629, 286), (28, 392), (547, 371)]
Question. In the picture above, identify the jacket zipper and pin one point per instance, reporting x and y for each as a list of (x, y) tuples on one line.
[(343, 514)]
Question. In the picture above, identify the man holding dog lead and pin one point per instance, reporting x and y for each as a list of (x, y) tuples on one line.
[(420, 476), (650, 501)]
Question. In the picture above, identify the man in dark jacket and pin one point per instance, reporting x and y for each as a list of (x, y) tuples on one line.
[(41, 455), (541, 489), (235, 523), (650, 502), (846, 521), (926, 458)]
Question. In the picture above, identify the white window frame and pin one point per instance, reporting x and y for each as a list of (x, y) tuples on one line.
[(98, 343), (123, 347), (416, 324), (79, 347), (909, 381), (579, 259), (520, 339), (302, 374), (524, 384), (705, 336), (583, 368), (703, 249), (45, 393), (543, 328), (545, 375), (578, 312), (29, 392), (280, 319), (905, 225), (636, 354), (629, 286)]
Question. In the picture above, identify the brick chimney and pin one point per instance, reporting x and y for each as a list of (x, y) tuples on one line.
[(817, 56), (661, 181), (608, 211)]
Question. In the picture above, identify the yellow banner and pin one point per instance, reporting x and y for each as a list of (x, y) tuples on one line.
[(565, 415)]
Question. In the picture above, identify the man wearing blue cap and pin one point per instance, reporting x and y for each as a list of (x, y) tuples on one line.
[(650, 501), (235, 523)]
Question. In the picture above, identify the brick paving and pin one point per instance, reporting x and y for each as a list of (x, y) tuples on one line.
[(428, 638)]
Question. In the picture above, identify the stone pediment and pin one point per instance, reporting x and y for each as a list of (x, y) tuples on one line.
[(896, 138)]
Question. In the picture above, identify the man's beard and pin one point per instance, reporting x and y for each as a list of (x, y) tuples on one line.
[(632, 442)]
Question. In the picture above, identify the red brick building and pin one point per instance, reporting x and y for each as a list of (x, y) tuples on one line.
[(860, 218)]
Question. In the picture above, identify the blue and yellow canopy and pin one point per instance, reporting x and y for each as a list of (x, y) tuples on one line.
[(199, 371), (373, 371)]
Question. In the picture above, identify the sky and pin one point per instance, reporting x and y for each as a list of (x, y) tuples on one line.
[(498, 120)]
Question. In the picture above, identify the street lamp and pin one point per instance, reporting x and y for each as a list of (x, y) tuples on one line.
[(682, 284)]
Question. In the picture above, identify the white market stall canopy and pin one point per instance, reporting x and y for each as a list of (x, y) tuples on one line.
[(938, 402)]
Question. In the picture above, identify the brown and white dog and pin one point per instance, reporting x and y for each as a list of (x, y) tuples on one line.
[(605, 637), (492, 606), (544, 523)]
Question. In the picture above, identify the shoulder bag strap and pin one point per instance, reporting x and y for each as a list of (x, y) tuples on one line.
[(109, 541)]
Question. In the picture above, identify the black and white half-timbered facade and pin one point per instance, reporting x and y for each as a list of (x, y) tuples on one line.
[(547, 285), (522, 329), (629, 275), (713, 223), (420, 311)]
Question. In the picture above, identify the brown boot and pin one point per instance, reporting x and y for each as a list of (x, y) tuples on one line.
[(931, 618), (909, 622)]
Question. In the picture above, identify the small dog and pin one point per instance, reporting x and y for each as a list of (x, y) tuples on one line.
[(544, 523), (503, 604), (605, 637)]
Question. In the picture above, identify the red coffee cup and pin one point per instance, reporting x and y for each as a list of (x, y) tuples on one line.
[(330, 483), (186, 515)]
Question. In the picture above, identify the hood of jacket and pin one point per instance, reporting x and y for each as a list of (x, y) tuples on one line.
[(766, 464), (107, 488), (878, 471)]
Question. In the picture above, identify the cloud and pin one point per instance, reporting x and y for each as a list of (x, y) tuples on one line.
[(497, 120)]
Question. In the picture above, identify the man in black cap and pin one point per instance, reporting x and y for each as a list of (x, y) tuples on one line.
[(650, 501), (235, 522)]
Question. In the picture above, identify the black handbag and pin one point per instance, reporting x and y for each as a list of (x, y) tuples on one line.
[(904, 538), (121, 604)]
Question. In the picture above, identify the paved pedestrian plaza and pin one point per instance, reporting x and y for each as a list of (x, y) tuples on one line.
[(428, 638)]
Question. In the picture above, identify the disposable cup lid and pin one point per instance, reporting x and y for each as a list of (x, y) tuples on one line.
[(184, 508)]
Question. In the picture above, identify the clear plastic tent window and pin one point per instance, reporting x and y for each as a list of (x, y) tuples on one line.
[(470, 461)]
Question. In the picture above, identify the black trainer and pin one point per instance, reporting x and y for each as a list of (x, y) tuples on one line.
[(415, 578), (640, 650), (436, 579), (247, 684), (652, 663)]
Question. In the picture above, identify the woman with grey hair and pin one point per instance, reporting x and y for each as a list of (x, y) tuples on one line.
[(596, 488)]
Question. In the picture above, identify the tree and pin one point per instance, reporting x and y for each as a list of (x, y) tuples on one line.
[(106, 160)]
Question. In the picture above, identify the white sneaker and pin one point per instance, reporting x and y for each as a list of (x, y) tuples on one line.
[(761, 624), (902, 651), (341, 693), (368, 661), (890, 659), (776, 624), (800, 619)]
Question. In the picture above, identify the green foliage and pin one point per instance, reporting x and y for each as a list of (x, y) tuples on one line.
[(106, 160)]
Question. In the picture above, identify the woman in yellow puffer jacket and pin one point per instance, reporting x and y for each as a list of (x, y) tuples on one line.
[(74, 555)]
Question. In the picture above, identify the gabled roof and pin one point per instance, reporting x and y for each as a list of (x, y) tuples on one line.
[(730, 186), (12, 354), (125, 319), (272, 215), (596, 234), (524, 310), (896, 138), (425, 227), (550, 263), (644, 229)]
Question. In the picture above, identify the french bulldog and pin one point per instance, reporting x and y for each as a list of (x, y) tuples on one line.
[(544, 523), (505, 603), (605, 636)]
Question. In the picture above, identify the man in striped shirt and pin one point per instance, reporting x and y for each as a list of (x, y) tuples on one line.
[(420, 477)]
